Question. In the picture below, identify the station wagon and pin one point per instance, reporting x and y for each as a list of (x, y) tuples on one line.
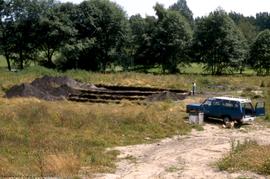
[(229, 109)]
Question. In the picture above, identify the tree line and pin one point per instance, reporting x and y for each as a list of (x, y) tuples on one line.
[(97, 34)]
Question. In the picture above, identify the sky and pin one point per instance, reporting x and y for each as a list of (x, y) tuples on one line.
[(198, 7)]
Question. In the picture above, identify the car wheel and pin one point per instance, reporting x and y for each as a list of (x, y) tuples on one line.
[(226, 119)]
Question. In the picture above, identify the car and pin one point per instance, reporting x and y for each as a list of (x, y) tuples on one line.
[(228, 109)]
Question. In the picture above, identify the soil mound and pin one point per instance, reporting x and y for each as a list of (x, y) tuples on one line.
[(26, 90), (48, 82), (59, 88), (166, 95), (48, 88)]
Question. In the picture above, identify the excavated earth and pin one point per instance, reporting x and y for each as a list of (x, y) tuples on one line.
[(59, 88)]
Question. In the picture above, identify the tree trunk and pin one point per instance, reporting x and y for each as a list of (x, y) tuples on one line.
[(8, 61), (21, 60), (241, 71), (49, 63)]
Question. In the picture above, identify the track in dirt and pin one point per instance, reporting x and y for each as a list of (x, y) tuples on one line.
[(190, 156)]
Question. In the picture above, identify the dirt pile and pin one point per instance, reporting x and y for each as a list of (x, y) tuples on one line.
[(59, 88), (48, 88)]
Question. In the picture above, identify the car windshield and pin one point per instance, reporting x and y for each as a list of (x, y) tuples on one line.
[(208, 102)]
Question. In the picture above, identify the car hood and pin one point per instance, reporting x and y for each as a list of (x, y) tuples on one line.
[(195, 104)]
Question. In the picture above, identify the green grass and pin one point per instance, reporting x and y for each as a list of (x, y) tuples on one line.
[(197, 68), (193, 68), (247, 156), (3, 62)]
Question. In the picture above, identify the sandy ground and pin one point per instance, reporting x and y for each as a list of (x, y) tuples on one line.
[(190, 156)]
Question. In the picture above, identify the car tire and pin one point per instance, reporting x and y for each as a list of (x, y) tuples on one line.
[(226, 119)]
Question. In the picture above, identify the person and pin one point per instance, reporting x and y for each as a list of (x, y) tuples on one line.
[(193, 88)]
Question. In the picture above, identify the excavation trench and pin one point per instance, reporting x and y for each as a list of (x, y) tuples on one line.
[(60, 88)]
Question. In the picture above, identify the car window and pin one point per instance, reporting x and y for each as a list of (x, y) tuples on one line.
[(208, 102), (236, 105), (247, 108), (247, 105), (216, 103), (228, 104), (260, 105)]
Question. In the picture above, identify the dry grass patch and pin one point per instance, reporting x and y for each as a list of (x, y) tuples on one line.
[(41, 138), (248, 156), (61, 165)]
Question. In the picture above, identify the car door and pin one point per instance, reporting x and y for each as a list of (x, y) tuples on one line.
[(206, 106), (260, 109), (215, 109)]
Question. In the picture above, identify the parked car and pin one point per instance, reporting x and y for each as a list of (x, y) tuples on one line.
[(228, 109)]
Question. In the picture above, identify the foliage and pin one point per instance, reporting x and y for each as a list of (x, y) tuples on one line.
[(182, 7), (163, 41), (173, 36), (22, 18), (263, 20), (54, 30), (247, 25), (5, 34), (143, 36), (260, 53), (96, 35), (101, 26), (218, 43)]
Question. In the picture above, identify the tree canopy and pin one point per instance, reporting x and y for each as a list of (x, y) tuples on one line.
[(173, 37), (182, 7), (97, 35), (101, 27), (218, 43), (260, 53)]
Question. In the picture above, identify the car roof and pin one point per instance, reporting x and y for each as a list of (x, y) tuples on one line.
[(241, 100)]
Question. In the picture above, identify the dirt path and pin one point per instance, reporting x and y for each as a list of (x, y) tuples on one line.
[(190, 156)]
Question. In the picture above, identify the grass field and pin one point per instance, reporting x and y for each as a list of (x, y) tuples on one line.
[(36, 134), (41, 138), (3, 62)]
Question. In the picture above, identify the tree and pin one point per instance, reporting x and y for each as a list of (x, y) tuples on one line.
[(172, 38), (142, 38), (260, 53), (5, 32), (182, 7), (21, 19), (160, 41), (53, 30), (102, 27), (263, 20), (219, 44), (247, 25)]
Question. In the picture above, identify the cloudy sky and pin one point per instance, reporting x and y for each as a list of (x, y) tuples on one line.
[(198, 7)]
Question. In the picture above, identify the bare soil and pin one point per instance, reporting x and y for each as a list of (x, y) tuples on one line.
[(190, 156), (59, 88)]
